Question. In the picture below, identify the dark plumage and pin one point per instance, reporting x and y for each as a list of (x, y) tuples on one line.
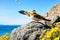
[(41, 17), (22, 12), (35, 16)]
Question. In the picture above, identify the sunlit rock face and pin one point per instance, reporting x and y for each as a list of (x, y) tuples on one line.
[(55, 10), (53, 14)]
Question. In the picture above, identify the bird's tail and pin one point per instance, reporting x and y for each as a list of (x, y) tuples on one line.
[(46, 19)]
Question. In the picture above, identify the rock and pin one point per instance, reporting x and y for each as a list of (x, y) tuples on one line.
[(53, 14), (31, 30), (28, 31)]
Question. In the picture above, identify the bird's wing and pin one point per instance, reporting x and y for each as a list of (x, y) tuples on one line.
[(41, 17)]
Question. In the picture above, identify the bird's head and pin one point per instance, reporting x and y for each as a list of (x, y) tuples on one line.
[(31, 14), (22, 12)]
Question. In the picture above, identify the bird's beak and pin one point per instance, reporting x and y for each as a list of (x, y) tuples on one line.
[(22, 12)]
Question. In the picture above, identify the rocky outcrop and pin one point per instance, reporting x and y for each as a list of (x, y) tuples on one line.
[(53, 14), (29, 31)]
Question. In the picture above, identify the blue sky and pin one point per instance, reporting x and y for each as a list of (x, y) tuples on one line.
[(9, 10)]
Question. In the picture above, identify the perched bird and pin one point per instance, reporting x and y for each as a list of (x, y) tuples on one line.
[(33, 15)]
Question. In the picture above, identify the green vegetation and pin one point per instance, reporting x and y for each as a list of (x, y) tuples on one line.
[(5, 37), (52, 34)]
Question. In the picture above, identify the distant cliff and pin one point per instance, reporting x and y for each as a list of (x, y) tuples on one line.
[(39, 31)]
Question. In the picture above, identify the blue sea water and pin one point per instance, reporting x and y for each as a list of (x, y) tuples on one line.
[(7, 28)]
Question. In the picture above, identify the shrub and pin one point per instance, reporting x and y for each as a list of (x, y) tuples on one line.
[(5, 37), (52, 34)]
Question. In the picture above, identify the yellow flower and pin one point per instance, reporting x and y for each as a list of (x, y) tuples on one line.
[(44, 31), (56, 38), (58, 23), (42, 34), (42, 39), (52, 30), (5, 37), (2, 38), (48, 34)]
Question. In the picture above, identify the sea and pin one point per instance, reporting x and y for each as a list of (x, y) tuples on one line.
[(7, 29)]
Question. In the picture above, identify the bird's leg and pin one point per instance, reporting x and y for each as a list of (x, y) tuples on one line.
[(47, 15), (48, 23)]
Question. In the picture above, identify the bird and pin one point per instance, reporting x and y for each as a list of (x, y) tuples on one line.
[(33, 15)]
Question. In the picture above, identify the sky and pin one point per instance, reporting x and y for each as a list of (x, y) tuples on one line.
[(9, 14)]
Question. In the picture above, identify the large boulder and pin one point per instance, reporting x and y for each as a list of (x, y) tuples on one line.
[(29, 31)]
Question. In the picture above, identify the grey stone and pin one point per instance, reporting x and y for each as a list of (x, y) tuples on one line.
[(28, 31)]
